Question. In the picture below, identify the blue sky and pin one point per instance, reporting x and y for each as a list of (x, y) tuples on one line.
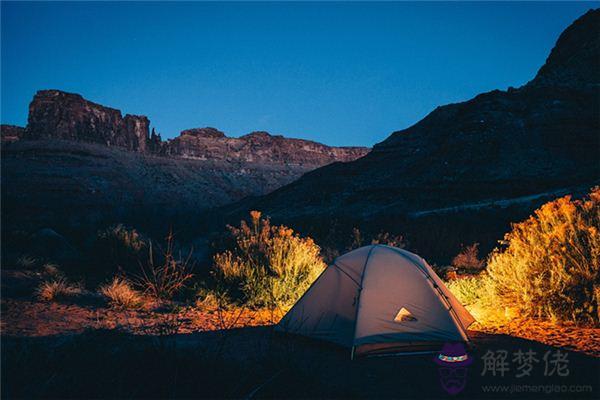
[(339, 73)]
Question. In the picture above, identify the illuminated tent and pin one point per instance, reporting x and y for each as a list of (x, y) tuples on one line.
[(379, 299)]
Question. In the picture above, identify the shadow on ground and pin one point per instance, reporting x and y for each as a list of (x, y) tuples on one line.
[(259, 363)]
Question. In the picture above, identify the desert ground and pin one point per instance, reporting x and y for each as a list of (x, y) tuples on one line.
[(80, 348)]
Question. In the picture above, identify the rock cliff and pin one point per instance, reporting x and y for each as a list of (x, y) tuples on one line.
[(54, 114)]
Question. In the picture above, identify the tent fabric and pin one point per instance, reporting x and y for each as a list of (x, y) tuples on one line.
[(376, 298)]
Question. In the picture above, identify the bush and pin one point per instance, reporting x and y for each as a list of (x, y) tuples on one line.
[(358, 239), (468, 259), (267, 265), (51, 269), (120, 294), (27, 262), (118, 248), (389, 239), (470, 290), (58, 289), (549, 267), (164, 275)]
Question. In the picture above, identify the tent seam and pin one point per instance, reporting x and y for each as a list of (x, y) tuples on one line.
[(360, 287)]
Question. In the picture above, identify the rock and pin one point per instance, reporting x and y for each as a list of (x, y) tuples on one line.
[(203, 132), (54, 114), (257, 147), (60, 115), (11, 133)]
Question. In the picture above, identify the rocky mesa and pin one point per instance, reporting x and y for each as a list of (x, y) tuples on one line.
[(54, 114), (80, 165)]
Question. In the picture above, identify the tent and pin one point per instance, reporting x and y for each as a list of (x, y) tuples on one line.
[(379, 299)]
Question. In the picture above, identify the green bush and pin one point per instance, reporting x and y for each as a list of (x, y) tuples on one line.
[(267, 265), (470, 290), (549, 266)]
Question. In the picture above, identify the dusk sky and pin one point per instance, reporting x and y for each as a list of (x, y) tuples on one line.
[(342, 74)]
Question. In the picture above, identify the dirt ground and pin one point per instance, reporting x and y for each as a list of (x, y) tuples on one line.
[(82, 349)]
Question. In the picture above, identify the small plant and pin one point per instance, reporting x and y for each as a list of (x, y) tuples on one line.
[(120, 294), (474, 293), (470, 289), (26, 261), (468, 259), (267, 266), (358, 239), (549, 266), (118, 248), (389, 239), (164, 275), (51, 269), (58, 289)]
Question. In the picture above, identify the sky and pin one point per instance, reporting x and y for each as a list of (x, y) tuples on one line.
[(339, 73)]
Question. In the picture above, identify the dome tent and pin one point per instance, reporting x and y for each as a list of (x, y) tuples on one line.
[(379, 299)]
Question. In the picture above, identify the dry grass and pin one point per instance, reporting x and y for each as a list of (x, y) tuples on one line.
[(550, 265), (120, 294), (267, 265), (166, 274), (58, 289)]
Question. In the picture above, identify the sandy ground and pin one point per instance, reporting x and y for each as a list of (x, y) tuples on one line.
[(27, 317), (82, 348), (32, 318)]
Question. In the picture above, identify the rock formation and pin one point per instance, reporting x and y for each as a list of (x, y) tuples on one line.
[(11, 133), (258, 147), (54, 114), (84, 165)]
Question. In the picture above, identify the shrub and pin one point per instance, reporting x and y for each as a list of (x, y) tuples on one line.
[(470, 289), (120, 294), (164, 275), (357, 239), (389, 239), (26, 261), (474, 293), (549, 266), (58, 289), (267, 265), (119, 247), (468, 259), (51, 269)]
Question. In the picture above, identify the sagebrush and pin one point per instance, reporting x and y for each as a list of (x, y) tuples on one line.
[(549, 265), (267, 265)]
